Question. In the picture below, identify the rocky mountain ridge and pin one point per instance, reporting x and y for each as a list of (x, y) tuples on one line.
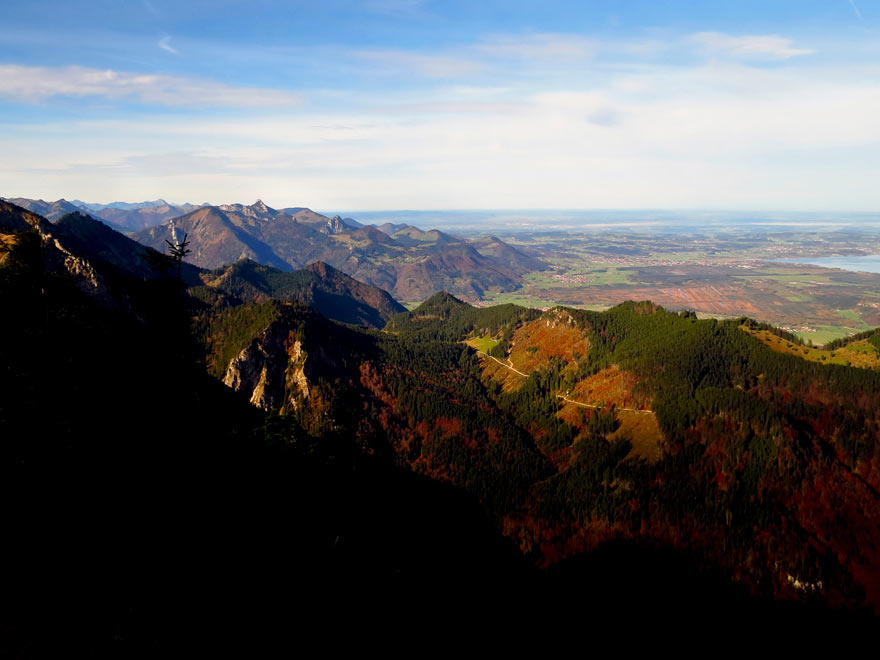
[(122, 216), (409, 263)]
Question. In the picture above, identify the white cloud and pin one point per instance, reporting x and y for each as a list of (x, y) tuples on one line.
[(718, 134), (683, 138), (762, 46), (31, 84), (478, 57), (165, 44)]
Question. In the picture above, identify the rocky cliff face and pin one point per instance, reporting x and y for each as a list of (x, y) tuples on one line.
[(58, 257), (282, 365), (271, 370), (335, 226)]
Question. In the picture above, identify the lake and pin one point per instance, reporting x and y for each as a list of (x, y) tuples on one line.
[(866, 264)]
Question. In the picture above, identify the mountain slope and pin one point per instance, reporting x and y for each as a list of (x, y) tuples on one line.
[(323, 288), (100, 243), (507, 255), (155, 479), (49, 210), (215, 239), (110, 268), (14, 218)]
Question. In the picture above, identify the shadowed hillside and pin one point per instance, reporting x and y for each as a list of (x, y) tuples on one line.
[(329, 291)]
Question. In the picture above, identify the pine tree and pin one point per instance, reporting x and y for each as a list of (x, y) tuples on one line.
[(178, 251)]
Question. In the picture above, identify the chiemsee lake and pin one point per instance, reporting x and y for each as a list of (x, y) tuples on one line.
[(868, 264)]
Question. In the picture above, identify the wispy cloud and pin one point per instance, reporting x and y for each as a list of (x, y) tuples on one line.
[(855, 9), (481, 55), (536, 46), (31, 84), (165, 44), (760, 46), (431, 66), (150, 7), (172, 163)]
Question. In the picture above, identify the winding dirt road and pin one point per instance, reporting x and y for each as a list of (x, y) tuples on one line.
[(559, 396)]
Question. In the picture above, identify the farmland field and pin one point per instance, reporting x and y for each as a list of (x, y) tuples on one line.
[(726, 275)]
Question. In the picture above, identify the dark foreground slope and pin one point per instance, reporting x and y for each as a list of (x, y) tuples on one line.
[(150, 510), (146, 503)]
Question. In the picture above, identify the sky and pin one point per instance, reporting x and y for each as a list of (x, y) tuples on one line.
[(414, 104)]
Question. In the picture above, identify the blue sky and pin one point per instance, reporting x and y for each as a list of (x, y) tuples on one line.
[(389, 104)]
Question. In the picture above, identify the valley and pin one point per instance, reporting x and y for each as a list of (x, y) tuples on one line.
[(722, 275)]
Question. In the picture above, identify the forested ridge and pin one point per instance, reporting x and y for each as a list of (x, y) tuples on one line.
[(768, 465)]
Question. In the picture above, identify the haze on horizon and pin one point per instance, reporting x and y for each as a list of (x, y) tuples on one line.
[(393, 104)]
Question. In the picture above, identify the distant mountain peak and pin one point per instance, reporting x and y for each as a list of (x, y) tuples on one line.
[(321, 268), (260, 206), (75, 217)]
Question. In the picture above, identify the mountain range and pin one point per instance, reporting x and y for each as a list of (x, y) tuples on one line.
[(123, 216), (409, 263), (108, 265)]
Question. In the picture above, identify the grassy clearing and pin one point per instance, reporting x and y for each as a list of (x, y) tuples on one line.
[(521, 299), (608, 275), (857, 354), (597, 274), (850, 315), (643, 431), (826, 333), (7, 242), (484, 344), (798, 298)]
